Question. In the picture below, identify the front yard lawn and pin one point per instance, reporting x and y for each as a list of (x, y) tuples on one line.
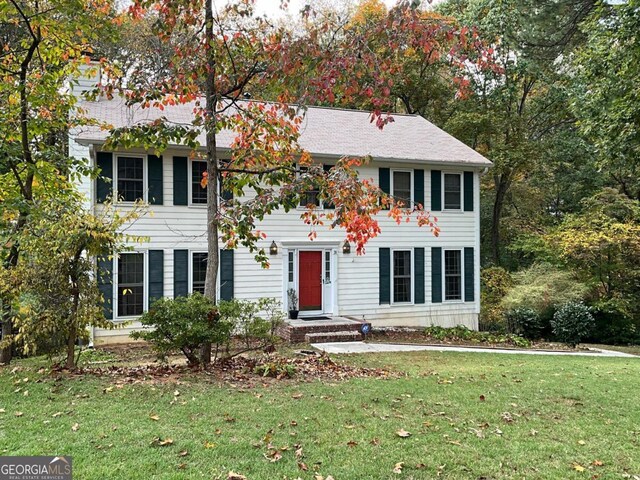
[(469, 416)]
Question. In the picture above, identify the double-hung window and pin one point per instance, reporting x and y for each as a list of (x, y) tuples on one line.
[(198, 193), (198, 271), (452, 191), (401, 187), (401, 266), (130, 178), (130, 284), (452, 275)]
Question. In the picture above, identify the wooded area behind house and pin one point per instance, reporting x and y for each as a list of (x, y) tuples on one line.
[(548, 91)]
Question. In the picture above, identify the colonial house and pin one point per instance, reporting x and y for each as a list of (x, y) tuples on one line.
[(407, 277)]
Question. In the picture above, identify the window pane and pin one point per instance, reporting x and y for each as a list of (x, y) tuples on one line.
[(402, 276), (199, 268), (402, 187), (130, 284), (198, 194), (452, 196), (130, 178), (452, 275), (327, 267), (290, 267)]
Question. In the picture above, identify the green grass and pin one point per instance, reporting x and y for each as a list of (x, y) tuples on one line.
[(540, 417)]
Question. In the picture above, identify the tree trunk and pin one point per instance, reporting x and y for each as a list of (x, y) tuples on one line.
[(502, 182), (212, 176)]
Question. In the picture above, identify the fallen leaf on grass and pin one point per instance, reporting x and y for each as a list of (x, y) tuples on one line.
[(183, 453), (235, 476), (209, 445), (159, 442), (18, 414), (155, 418), (581, 442), (420, 466), (352, 444), (273, 456), (182, 466), (75, 427), (303, 466), (297, 396), (578, 468), (56, 415), (402, 433), (398, 467), (597, 463), (482, 398), (375, 441)]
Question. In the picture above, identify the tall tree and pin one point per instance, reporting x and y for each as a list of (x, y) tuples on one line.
[(43, 43), (219, 56)]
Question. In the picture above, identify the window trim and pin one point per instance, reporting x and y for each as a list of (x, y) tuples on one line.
[(412, 186), (145, 284), (321, 205), (145, 176), (190, 267), (444, 277), (444, 206), (190, 201), (411, 277)]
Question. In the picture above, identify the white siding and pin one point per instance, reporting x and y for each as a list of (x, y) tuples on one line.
[(170, 227)]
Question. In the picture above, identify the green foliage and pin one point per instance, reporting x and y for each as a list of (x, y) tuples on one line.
[(572, 322), (462, 333), (614, 325), (525, 322), (495, 282), (542, 287), (255, 324), (184, 324), (276, 368)]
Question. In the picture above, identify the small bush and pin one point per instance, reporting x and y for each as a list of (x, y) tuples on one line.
[(525, 322), (254, 323), (542, 287), (572, 322), (183, 323), (276, 369), (614, 324), (462, 333)]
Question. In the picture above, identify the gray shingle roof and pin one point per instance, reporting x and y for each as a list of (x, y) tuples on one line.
[(327, 132)]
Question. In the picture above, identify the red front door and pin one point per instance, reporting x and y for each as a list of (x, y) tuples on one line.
[(310, 280)]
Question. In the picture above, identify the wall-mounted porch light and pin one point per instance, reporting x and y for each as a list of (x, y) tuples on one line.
[(346, 247), (273, 249)]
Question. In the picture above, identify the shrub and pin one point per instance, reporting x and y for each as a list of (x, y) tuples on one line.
[(524, 321), (183, 323), (254, 323), (572, 322), (276, 369), (462, 333), (495, 282), (614, 324), (542, 287)]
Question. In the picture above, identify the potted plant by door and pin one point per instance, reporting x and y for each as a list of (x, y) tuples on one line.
[(293, 304)]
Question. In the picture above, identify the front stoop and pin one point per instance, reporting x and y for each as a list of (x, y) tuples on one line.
[(336, 329)]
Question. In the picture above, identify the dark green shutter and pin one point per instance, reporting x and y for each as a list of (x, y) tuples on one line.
[(436, 190), (226, 274), (384, 179), (180, 273), (385, 275), (327, 204), (104, 182), (156, 275), (154, 167), (418, 186), (436, 275), (469, 275), (180, 181), (468, 191), (105, 284), (418, 262)]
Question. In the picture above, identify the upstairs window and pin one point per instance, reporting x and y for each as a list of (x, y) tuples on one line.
[(130, 175), (198, 194), (452, 191), (130, 284), (452, 275), (401, 187), (401, 276)]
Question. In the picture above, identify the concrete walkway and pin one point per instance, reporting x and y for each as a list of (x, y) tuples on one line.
[(362, 347)]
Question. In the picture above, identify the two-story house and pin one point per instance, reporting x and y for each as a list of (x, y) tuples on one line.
[(407, 277)]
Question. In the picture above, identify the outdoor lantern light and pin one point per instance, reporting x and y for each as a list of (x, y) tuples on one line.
[(346, 247), (273, 249)]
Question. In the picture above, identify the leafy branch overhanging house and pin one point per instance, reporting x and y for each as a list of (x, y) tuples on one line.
[(407, 277)]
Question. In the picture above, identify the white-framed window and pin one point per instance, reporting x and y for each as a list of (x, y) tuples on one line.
[(402, 186), (453, 274), (130, 180), (197, 194), (131, 284), (312, 197), (452, 191), (198, 271), (401, 276), (291, 266)]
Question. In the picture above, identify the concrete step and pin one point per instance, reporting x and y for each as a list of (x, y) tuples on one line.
[(339, 336)]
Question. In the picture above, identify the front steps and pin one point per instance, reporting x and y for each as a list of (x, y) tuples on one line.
[(335, 329)]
